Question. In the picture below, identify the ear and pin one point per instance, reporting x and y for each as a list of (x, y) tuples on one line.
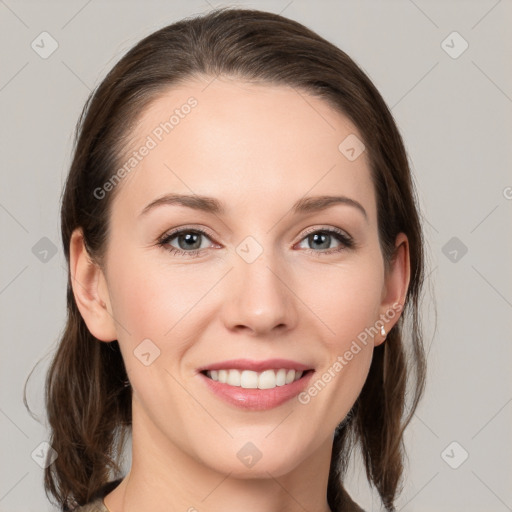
[(90, 290), (395, 287)]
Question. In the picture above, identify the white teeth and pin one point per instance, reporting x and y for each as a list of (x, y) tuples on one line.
[(267, 379), (290, 376), (234, 378), (281, 377), (248, 379)]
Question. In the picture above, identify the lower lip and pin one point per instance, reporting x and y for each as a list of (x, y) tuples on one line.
[(257, 399)]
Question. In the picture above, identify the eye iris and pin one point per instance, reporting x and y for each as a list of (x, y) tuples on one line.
[(190, 239), (325, 236)]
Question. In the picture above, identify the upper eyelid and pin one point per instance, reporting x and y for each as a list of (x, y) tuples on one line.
[(174, 232), (328, 229)]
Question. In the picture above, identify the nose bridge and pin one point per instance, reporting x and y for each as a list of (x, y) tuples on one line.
[(258, 296)]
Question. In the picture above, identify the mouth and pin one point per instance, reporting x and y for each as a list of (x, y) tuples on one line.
[(249, 379), (256, 385), (252, 390)]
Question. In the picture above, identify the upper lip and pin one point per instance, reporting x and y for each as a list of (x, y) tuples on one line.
[(256, 366)]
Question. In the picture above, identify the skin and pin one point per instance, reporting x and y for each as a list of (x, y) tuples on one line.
[(258, 149)]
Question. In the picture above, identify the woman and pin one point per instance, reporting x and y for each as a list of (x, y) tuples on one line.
[(244, 249)]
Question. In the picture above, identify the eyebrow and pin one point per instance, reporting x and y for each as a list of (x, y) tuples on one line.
[(211, 205)]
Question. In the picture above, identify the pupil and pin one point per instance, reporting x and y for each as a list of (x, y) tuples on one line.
[(191, 238), (317, 235)]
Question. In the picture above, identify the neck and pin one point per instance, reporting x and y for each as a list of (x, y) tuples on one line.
[(164, 477)]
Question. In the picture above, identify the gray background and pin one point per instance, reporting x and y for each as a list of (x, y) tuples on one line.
[(454, 114)]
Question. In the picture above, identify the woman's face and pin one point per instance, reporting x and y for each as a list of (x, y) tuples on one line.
[(274, 276)]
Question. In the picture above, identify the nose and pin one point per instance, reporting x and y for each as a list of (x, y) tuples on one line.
[(259, 297)]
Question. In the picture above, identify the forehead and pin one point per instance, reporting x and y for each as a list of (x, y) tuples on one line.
[(244, 141)]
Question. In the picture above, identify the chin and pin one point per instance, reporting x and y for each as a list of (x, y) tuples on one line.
[(250, 463)]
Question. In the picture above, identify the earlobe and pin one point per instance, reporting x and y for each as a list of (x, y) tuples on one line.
[(90, 290), (395, 287)]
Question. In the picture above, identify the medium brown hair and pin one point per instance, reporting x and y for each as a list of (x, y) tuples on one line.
[(87, 403)]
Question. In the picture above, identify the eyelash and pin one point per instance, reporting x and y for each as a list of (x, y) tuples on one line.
[(346, 241)]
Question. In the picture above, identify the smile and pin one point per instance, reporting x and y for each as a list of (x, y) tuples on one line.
[(249, 379)]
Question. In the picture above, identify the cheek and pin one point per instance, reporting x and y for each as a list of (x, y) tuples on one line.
[(155, 301), (151, 301), (153, 309), (348, 307), (345, 298)]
